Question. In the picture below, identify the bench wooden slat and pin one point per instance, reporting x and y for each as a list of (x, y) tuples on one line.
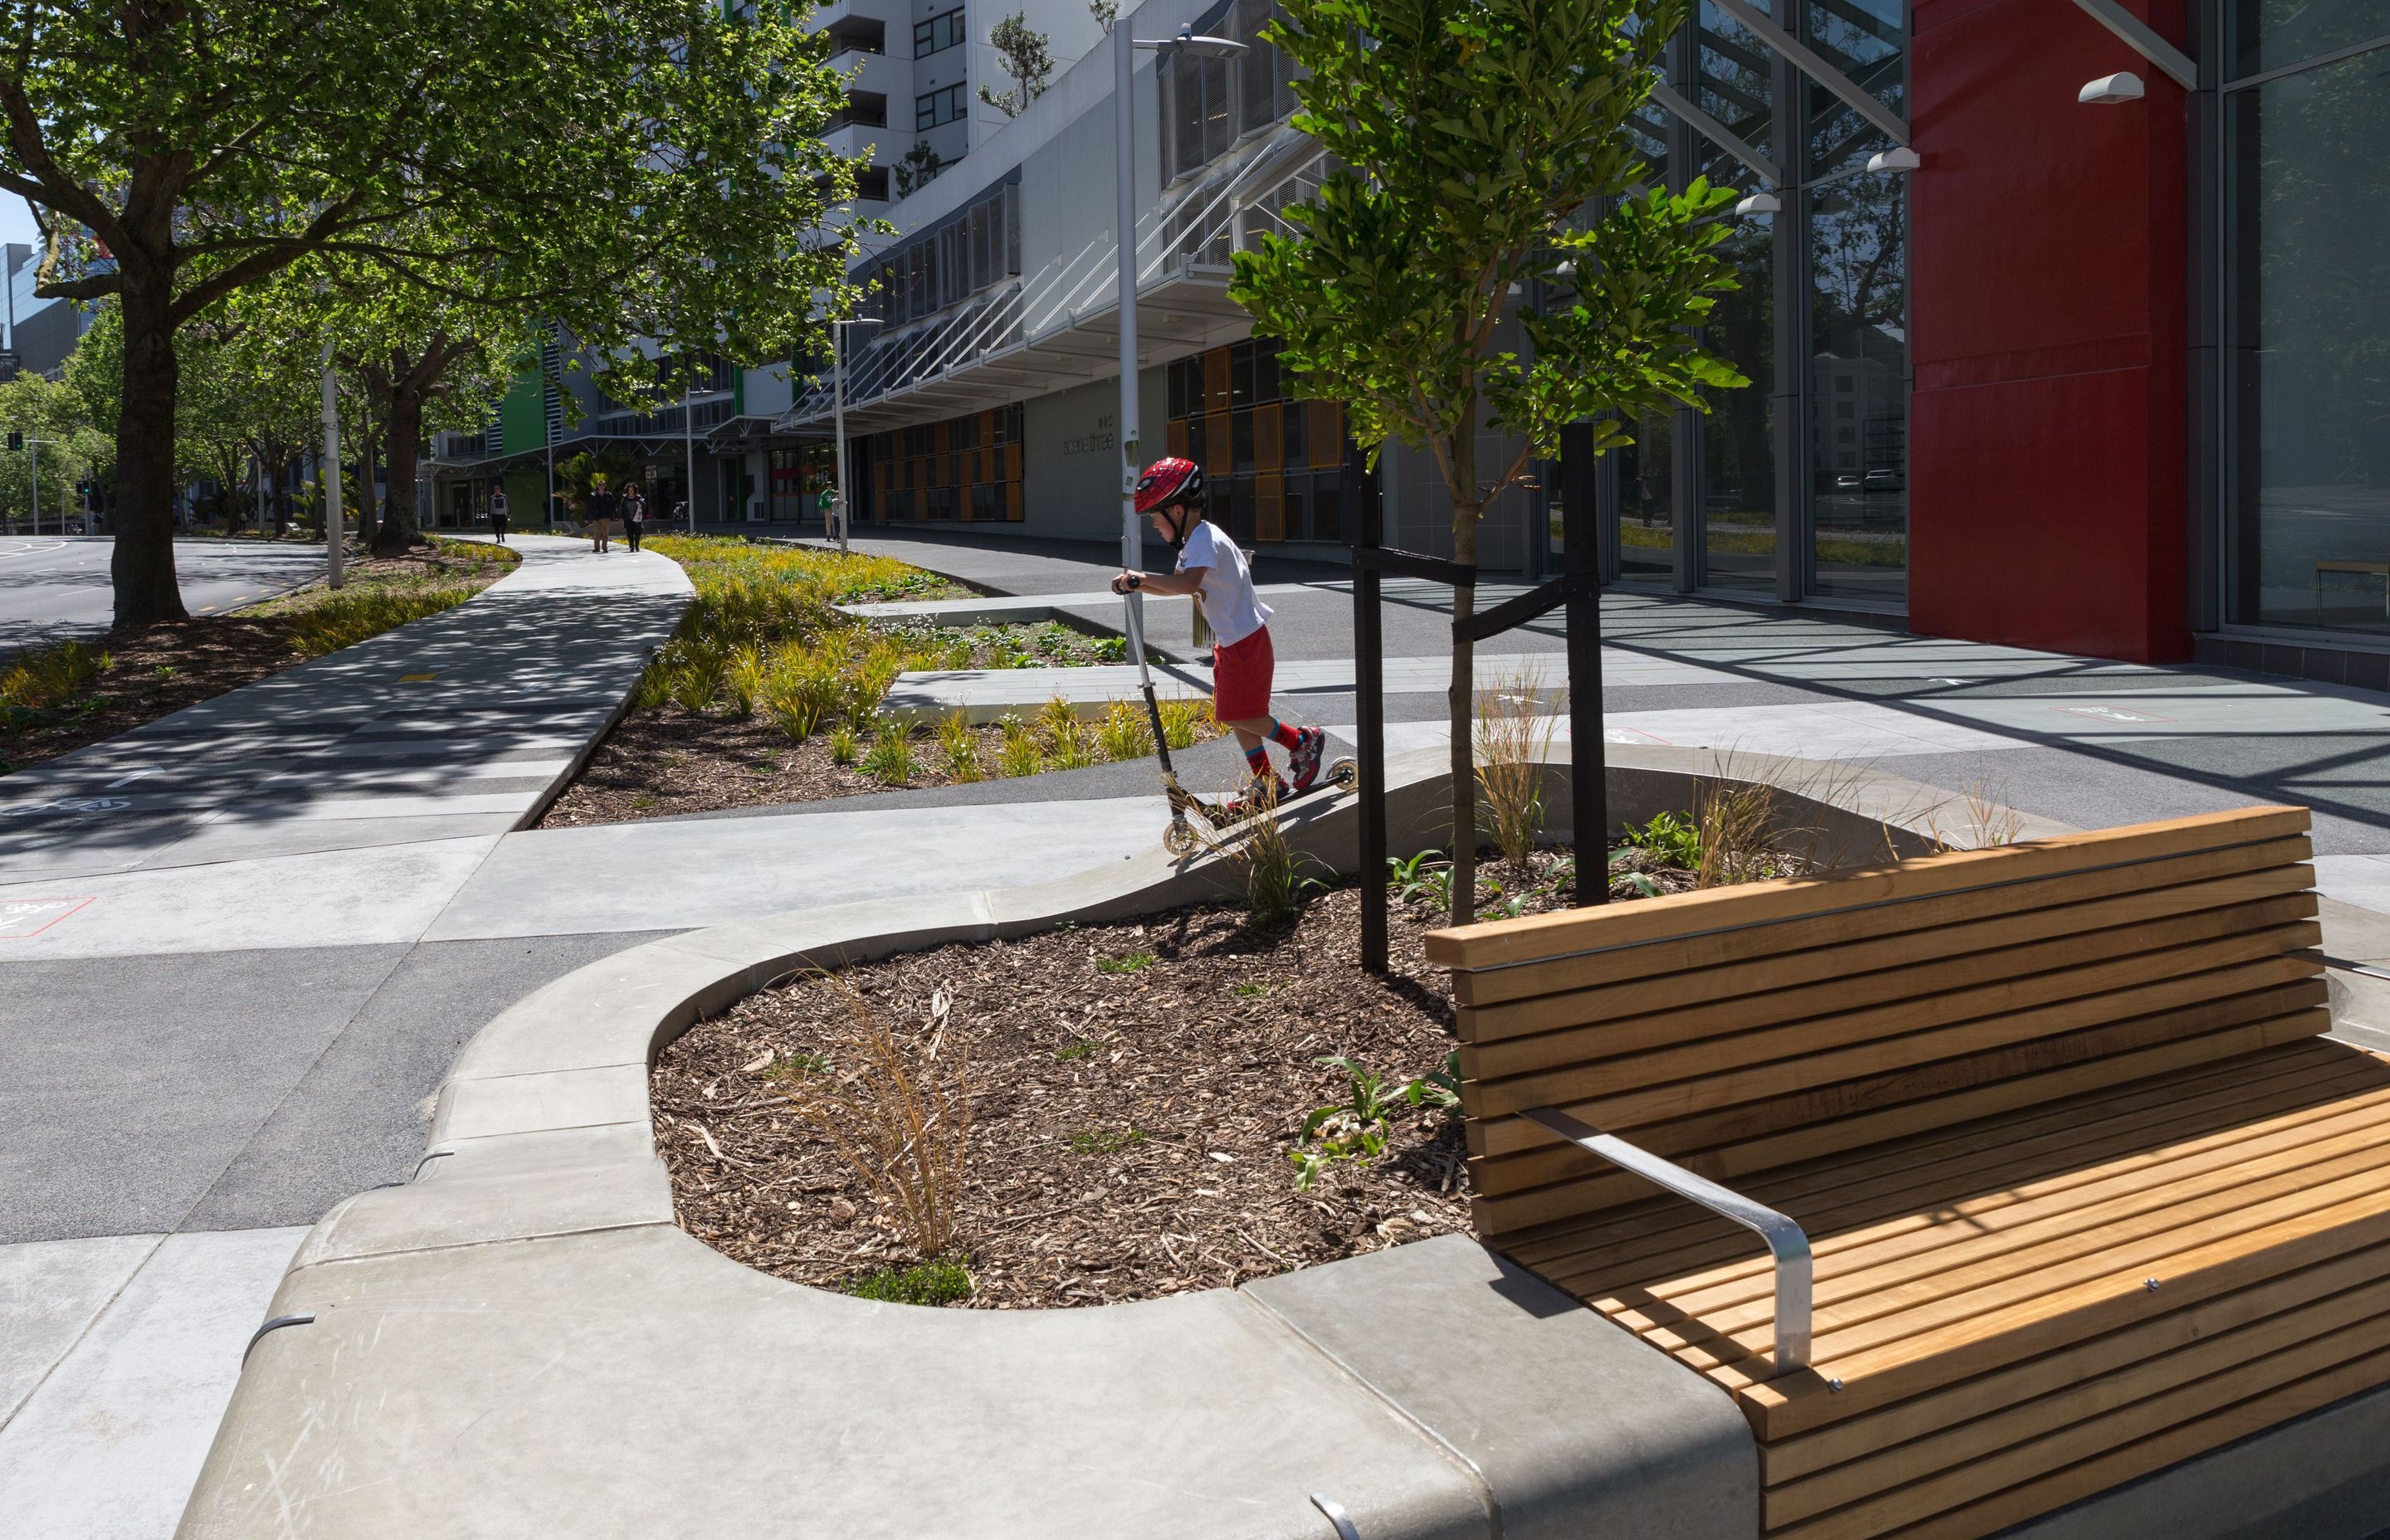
[(1870, 1277), (2079, 1407), (1986, 1396), (2183, 1442), (1688, 1280), (1541, 1186), (1502, 942), (1723, 1068), (1524, 1034), (1883, 1373), (2202, 1109), (1848, 1081), (1908, 931)]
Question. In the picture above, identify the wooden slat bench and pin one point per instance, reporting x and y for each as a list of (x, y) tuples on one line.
[(2087, 1194)]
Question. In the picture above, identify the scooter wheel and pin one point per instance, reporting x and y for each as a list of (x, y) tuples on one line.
[(1344, 773), (1179, 838)]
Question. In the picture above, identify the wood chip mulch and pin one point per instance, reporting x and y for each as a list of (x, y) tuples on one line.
[(1131, 1125), (158, 669)]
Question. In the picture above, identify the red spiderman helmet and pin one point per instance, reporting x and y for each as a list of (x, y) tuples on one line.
[(1167, 481)]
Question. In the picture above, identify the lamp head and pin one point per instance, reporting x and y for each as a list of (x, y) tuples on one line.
[(1900, 158), (1760, 203), (2108, 90)]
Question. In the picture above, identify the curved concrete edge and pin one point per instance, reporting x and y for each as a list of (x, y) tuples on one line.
[(523, 1342)]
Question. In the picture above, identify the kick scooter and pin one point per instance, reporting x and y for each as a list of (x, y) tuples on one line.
[(1181, 837)]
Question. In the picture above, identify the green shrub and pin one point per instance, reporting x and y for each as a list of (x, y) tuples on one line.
[(44, 678), (1182, 720), (1671, 839), (844, 747), (892, 761), (1122, 734), (353, 615), (744, 679), (923, 1283)]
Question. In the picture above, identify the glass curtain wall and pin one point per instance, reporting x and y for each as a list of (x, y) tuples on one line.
[(1797, 485), (2307, 212), (1732, 70)]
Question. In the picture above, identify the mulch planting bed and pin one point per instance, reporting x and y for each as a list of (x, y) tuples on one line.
[(671, 761), (1135, 1090), (667, 761), (157, 669)]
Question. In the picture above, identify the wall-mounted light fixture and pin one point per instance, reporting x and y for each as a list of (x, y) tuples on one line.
[(2123, 87), (1760, 203), (1898, 157)]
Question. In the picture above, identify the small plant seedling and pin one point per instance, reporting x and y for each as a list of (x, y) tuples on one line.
[(1643, 884), (941, 1282), (644, 801), (1129, 963), (1078, 1047), (1251, 989), (1426, 877), (1104, 1142), (797, 1066), (1673, 839), (1112, 649), (844, 747), (1357, 1128)]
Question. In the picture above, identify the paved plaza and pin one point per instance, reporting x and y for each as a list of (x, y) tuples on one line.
[(242, 944)]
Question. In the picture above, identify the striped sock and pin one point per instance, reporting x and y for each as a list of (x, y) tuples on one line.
[(1284, 736), (1257, 759)]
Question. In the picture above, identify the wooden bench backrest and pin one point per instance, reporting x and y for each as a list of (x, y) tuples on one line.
[(1739, 1029)]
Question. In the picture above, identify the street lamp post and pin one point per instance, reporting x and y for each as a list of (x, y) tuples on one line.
[(1124, 216), (838, 419), (334, 517), (688, 442)]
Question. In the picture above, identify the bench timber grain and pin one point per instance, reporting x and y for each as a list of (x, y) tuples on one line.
[(2087, 1194)]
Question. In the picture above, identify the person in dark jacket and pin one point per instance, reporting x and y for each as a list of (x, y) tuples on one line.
[(634, 513), (601, 516)]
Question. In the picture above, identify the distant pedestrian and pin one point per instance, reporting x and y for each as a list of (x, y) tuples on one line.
[(498, 515), (680, 514), (601, 516), (634, 513)]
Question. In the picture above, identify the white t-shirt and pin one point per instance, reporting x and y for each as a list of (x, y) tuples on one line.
[(1230, 607)]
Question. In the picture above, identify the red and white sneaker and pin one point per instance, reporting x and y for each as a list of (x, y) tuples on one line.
[(1303, 759)]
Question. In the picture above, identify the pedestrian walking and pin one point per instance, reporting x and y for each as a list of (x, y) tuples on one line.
[(634, 513), (680, 515), (498, 515), (601, 516)]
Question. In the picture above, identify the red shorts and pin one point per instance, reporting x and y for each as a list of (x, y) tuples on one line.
[(1241, 675)]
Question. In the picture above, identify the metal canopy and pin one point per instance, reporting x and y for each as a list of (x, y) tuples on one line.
[(2137, 36), (1719, 133), (1814, 65)]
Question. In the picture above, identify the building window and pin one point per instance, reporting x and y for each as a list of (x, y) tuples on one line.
[(938, 107), (871, 185), (965, 469), (938, 34), (2307, 452), (1273, 467)]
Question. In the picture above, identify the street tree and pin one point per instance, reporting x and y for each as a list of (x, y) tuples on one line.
[(178, 154), (58, 433), (1484, 196), (1028, 59)]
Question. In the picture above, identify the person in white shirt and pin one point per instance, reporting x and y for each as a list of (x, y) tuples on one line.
[(1243, 667)]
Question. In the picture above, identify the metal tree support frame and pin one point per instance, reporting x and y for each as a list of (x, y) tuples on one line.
[(1576, 593)]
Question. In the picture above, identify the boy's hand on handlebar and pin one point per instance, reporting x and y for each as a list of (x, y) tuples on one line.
[(1127, 583)]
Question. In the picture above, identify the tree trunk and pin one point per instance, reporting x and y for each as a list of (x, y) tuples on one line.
[(142, 565), (399, 529), (1461, 699)]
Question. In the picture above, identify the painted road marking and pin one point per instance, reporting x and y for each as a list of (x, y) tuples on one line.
[(416, 678), (24, 918), (2110, 713)]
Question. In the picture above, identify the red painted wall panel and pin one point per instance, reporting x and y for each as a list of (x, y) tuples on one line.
[(2049, 335)]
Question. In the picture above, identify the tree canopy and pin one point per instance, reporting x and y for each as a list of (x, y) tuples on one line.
[(647, 167), (1485, 196)]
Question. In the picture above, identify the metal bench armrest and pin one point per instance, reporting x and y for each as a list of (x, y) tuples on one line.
[(1786, 1242)]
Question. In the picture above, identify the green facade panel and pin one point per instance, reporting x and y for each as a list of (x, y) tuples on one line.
[(523, 417)]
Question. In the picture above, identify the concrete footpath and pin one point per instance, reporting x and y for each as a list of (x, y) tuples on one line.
[(215, 1014)]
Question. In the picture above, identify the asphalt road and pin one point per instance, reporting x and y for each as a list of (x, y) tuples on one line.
[(56, 585)]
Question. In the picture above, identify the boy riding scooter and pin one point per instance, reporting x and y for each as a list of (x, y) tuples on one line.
[(1211, 568)]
